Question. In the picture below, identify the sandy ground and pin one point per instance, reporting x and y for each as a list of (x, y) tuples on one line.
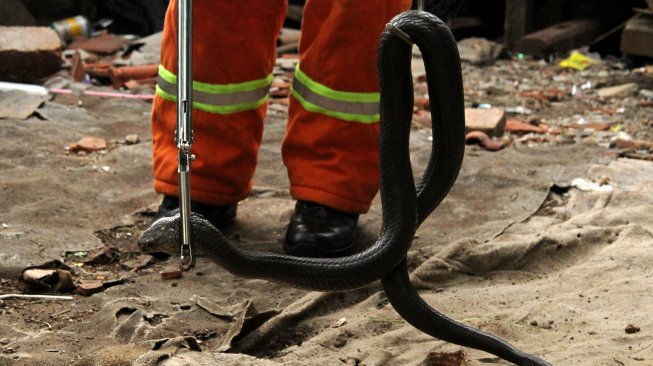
[(520, 248)]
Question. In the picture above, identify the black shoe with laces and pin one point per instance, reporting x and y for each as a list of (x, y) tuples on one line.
[(319, 231), (219, 216)]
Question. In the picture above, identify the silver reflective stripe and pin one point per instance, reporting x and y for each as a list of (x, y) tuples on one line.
[(338, 106), (218, 99)]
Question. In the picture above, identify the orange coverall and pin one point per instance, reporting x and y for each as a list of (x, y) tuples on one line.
[(330, 146)]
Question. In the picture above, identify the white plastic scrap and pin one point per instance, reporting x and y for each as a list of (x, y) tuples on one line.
[(589, 186)]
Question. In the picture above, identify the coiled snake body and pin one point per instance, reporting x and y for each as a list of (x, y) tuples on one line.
[(405, 205)]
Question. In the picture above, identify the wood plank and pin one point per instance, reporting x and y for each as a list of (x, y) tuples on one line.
[(562, 37)]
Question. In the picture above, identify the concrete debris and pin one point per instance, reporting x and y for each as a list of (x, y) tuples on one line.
[(28, 54), (618, 91), (491, 121), (479, 51), (18, 104)]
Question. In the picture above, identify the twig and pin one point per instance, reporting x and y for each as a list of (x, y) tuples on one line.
[(38, 297), (60, 313), (42, 322)]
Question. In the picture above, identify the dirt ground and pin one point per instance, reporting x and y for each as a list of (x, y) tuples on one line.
[(547, 245)]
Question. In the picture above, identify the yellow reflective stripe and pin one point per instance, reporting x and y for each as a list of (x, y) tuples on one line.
[(217, 98), (219, 88), (348, 106), (335, 94), (367, 119), (211, 108)]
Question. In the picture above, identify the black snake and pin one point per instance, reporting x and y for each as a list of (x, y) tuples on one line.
[(405, 205)]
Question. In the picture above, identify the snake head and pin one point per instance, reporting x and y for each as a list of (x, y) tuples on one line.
[(162, 236)]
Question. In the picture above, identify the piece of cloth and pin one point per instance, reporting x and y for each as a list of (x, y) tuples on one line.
[(330, 147)]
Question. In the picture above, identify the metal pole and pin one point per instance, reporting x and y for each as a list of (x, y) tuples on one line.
[(184, 133)]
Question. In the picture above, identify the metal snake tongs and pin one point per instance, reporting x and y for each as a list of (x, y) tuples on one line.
[(184, 132)]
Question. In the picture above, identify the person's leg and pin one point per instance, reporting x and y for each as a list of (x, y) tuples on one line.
[(330, 148), (234, 50)]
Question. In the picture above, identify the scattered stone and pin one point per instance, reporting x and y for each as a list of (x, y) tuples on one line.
[(170, 273), (88, 288), (341, 339), (533, 323), (5, 341), (88, 144), (28, 53), (631, 329), (339, 323), (618, 91), (491, 121), (132, 139)]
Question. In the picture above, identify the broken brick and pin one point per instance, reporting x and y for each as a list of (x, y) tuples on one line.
[(170, 273), (596, 126), (28, 53), (104, 44), (88, 288), (518, 127), (88, 144)]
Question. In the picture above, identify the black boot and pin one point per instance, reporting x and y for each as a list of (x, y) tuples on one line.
[(219, 216), (319, 231)]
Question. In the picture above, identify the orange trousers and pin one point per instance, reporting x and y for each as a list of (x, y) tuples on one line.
[(329, 160)]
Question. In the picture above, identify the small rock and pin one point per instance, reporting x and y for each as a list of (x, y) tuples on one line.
[(132, 139), (341, 339), (339, 323), (170, 273), (630, 329), (533, 323), (623, 90), (5, 341)]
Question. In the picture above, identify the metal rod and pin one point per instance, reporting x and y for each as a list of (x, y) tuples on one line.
[(34, 297), (184, 133)]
